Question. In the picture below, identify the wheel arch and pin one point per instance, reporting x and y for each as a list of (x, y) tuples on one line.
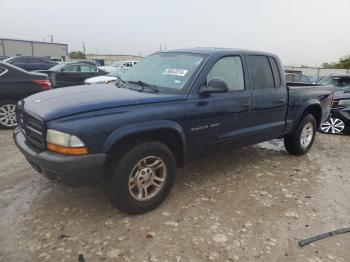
[(167, 132), (314, 109)]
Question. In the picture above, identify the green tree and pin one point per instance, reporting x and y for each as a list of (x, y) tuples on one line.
[(344, 62), (77, 55)]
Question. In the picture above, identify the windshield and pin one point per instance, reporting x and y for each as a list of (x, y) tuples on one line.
[(169, 71), (335, 81)]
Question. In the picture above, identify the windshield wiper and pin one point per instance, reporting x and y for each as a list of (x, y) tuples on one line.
[(119, 82), (143, 85)]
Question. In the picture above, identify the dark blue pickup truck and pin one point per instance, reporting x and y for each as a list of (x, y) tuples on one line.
[(169, 108)]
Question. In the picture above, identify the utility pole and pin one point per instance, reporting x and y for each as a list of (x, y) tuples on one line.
[(84, 47), (51, 38), (165, 48), (160, 48)]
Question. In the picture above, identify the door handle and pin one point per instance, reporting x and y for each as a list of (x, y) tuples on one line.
[(246, 105), (282, 101)]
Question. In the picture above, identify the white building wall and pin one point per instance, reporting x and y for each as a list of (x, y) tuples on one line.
[(49, 49), (12, 47)]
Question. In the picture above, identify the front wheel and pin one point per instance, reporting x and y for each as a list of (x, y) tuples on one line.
[(142, 178), (300, 142)]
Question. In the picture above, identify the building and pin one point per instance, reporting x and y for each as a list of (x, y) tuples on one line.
[(108, 59), (15, 47)]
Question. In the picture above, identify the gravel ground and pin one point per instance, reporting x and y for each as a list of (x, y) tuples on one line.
[(252, 204)]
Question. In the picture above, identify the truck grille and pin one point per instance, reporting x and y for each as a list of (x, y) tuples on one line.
[(32, 127)]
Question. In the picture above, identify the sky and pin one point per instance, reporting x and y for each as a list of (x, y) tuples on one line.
[(307, 32)]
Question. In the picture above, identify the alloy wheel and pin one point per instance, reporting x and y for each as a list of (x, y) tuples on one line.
[(8, 115), (333, 126), (147, 178)]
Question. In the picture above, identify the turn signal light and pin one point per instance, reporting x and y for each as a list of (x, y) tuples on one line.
[(68, 150)]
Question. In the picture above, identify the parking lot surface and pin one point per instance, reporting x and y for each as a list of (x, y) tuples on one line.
[(252, 204)]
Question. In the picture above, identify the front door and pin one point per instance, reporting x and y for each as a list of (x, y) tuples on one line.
[(221, 117)]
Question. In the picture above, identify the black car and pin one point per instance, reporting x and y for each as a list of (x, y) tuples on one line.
[(70, 74), (338, 82), (16, 84), (339, 120), (31, 63)]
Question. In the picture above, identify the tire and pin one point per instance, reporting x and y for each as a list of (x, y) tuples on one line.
[(7, 114), (137, 172), (332, 126), (300, 142)]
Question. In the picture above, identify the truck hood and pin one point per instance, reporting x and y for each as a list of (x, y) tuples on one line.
[(69, 101)]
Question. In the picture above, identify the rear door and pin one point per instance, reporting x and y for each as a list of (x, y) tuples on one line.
[(69, 76), (269, 97), (87, 71)]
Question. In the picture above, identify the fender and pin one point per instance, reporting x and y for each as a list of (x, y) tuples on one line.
[(308, 103), (124, 131), (300, 106)]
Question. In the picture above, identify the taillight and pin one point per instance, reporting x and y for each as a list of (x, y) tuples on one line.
[(44, 84), (335, 103)]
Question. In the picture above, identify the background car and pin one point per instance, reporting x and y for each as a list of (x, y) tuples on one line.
[(31, 63), (87, 62), (124, 63), (108, 69), (338, 82), (297, 78), (16, 84), (57, 59), (71, 74), (339, 121), (106, 79)]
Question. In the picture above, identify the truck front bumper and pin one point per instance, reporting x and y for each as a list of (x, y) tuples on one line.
[(70, 170)]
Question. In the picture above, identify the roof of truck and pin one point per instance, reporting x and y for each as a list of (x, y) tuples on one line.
[(214, 50)]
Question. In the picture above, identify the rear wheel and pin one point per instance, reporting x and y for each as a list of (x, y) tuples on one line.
[(300, 142), (333, 126), (8, 114), (142, 178)]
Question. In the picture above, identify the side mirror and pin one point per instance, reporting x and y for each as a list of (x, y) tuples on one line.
[(214, 86)]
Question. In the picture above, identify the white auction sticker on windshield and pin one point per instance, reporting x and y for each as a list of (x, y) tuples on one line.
[(175, 72)]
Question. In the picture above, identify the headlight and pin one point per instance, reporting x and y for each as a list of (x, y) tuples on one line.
[(64, 143)]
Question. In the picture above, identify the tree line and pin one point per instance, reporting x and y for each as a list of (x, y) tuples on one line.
[(343, 63)]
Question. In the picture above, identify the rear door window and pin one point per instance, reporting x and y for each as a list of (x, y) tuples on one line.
[(276, 72), (261, 72), (87, 68), (72, 69)]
